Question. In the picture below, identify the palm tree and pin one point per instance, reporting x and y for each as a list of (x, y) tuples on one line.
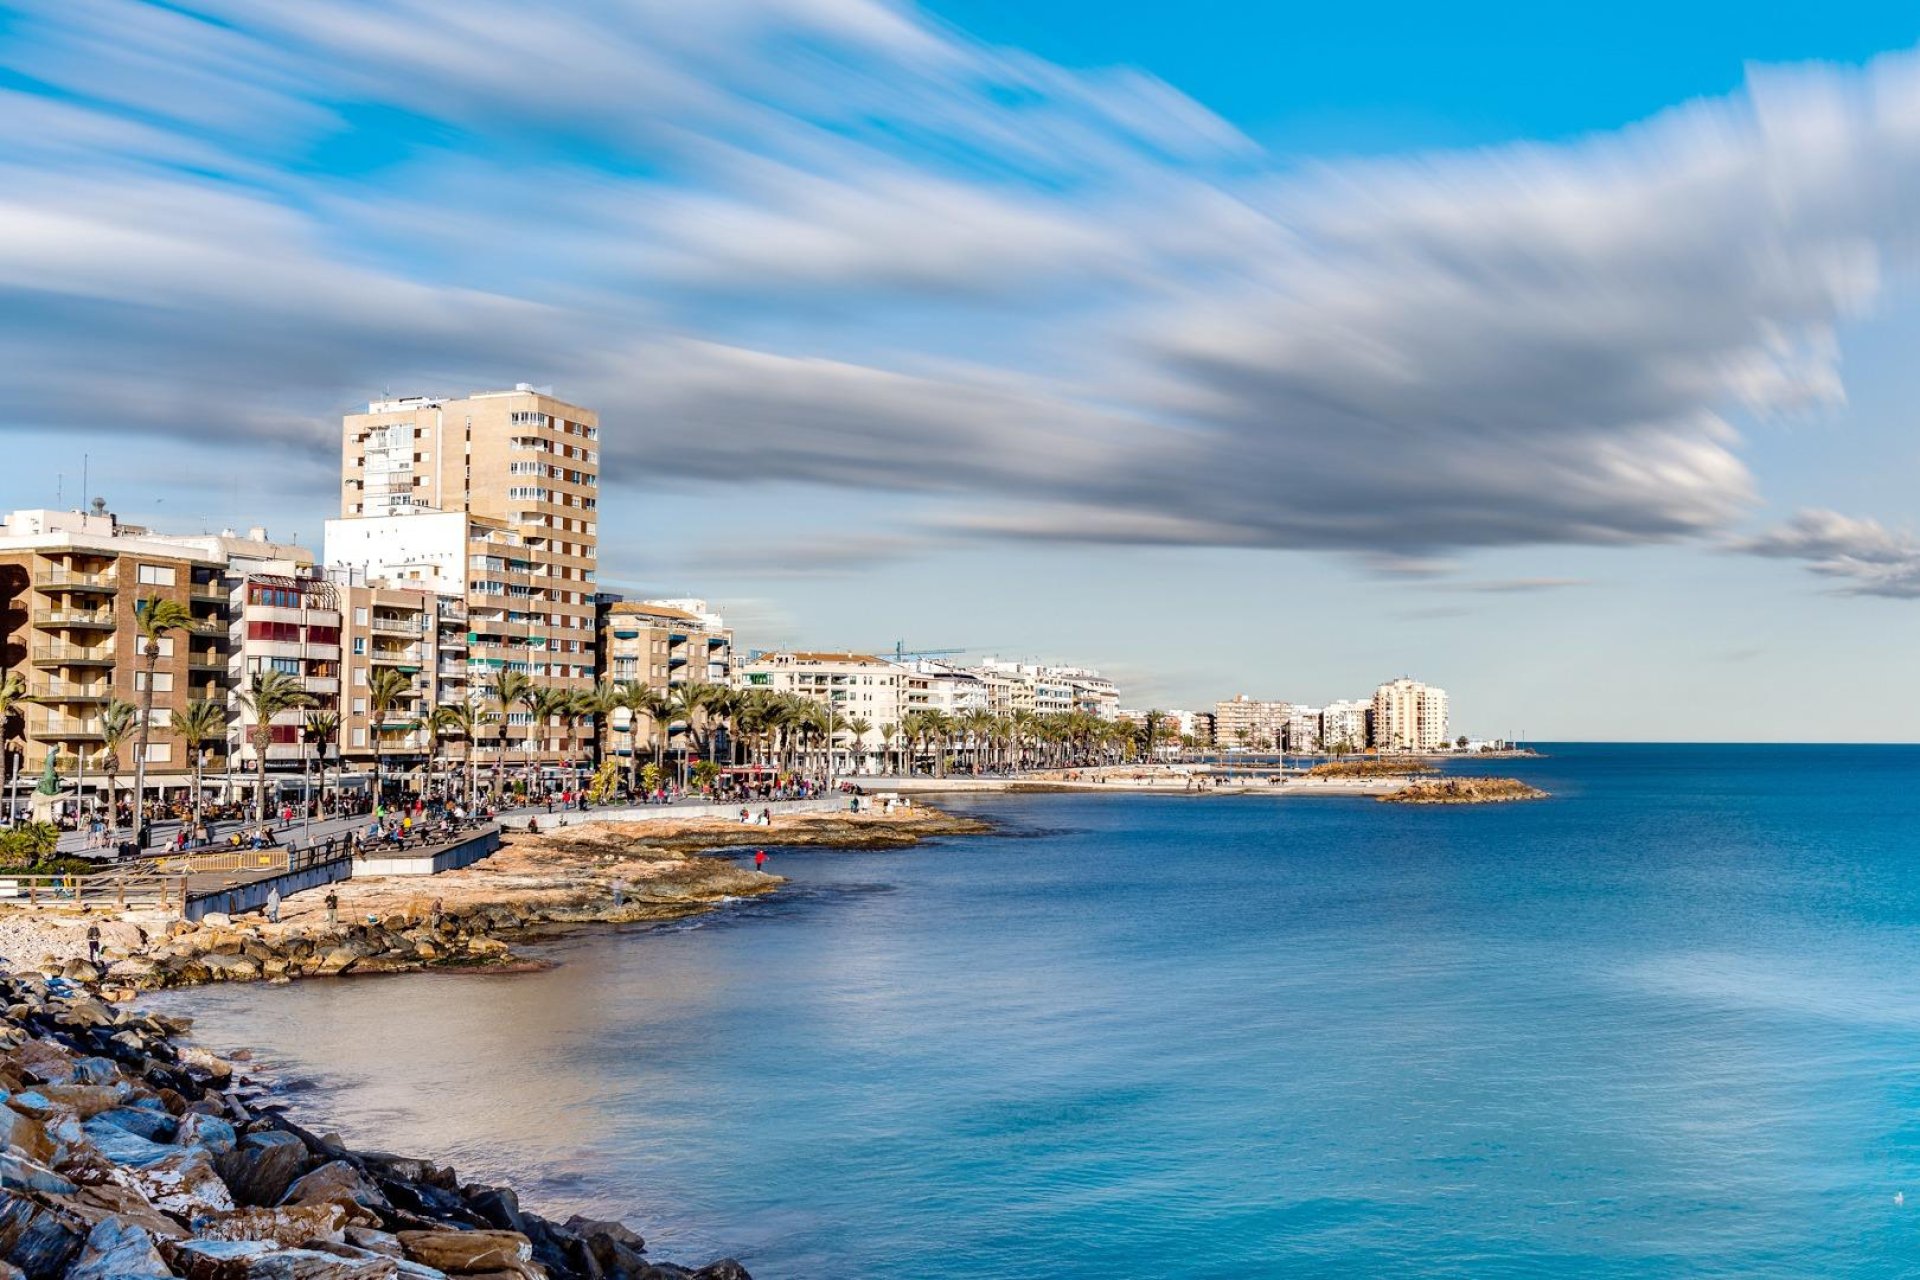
[(1151, 728), (116, 726), (13, 693), (323, 727), (505, 691), (462, 720), (443, 721), (156, 616), (638, 700), (545, 702), (197, 724), (267, 695), (886, 746), (859, 727), (388, 691)]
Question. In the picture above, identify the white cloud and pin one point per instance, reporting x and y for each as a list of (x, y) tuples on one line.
[(837, 242), (1860, 557)]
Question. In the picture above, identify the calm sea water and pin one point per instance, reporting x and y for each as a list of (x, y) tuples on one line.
[(1665, 1024)]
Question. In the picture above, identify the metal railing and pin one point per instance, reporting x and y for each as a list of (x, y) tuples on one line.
[(103, 654), (74, 578), (61, 691), (73, 618)]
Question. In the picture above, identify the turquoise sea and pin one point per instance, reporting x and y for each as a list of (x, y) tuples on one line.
[(1664, 1024)]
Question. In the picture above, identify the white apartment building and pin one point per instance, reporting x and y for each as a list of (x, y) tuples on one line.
[(1303, 729), (857, 686), (1048, 690), (1409, 716), (1343, 725)]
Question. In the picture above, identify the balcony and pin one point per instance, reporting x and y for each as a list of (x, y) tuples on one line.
[(74, 580), (209, 626), (396, 626), (407, 660), (207, 592), (72, 655), (69, 691), (90, 619), (64, 729), (206, 660)]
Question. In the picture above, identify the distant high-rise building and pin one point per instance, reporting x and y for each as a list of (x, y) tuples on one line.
[(493, 499), (1250, 722), (1409, 716), (1343, 725)]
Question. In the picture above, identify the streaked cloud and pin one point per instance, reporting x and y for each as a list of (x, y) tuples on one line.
[(839, 243), (1859, 557)]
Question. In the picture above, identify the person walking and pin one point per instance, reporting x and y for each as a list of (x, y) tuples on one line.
[(273, 905), (93, 944), (759, 859), (333, 909)]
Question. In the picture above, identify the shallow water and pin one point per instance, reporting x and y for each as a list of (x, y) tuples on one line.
[(1665, 1024)]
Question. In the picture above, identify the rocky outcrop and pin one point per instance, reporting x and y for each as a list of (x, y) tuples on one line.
[(131, 1157), (1465, 791)]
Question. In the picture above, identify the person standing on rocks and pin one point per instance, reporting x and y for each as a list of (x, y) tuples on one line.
[(273, 905), (759, 859), (333, 908), (93, 944)]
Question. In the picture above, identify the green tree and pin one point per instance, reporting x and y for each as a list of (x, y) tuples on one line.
[(462, 720), (157, 618), (267, 694), (505, 691), (323, 727), (388, 691), (197, 724), (116, 726), (13, 696)]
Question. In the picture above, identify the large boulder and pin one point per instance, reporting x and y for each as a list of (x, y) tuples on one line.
[(84, 1100), (470, 1252), (185, 1184), (118, 1250), (198, 1129), (260, 1260), (17, 1173), (123, 1147), (288, 1225), (121, 935), (36, 1238), (154, 1126), (121, 1198), (263, 1166), (25, 1134), (338, 1182)]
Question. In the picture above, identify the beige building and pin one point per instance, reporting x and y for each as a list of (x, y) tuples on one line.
[(662, 644), (1409, 716), (491, 499), (70, 583), (1250, 722)]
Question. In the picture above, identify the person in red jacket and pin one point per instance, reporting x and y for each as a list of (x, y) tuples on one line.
[(759, 859)]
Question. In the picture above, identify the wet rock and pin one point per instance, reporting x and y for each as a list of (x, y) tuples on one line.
[(469, 1252), (36, 1238), (259, 1260), (288, 1225), (263, 1166), (154, 1126), (198, 1129), (725, 1269), (216, 1067), (337, 1182), (118, 1250), (499, 1206), (17, 1173), (185, 1184), (124, 1147)]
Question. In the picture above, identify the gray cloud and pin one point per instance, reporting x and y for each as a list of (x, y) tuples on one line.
[(1514, 586), (836, 243), (1860, 557)]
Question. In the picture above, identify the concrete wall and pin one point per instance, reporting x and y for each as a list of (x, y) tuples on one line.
[(252, 897), (464, 854), (671, 812)]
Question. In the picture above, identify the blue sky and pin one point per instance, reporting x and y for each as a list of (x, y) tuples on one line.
[(1559, 356)]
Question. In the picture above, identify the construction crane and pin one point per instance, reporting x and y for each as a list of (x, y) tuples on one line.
[(901, 653)]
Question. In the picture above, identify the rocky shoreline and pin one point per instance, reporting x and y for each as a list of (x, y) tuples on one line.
[(130, 1156), (1464, 791)]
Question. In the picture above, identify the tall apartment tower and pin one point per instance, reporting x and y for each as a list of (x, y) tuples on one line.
[(493, 498)]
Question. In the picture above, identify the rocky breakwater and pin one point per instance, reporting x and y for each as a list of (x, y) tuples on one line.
[(129, 1156), (467, 919), (900, 827), (1464, 791)]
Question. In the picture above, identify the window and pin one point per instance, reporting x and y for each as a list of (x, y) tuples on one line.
[(359, 706), (360, 643), (359, 737), (359, 619), (360, 676), (162, 681), (166, 646), (156, 575), (159, 717), (159, 752)]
